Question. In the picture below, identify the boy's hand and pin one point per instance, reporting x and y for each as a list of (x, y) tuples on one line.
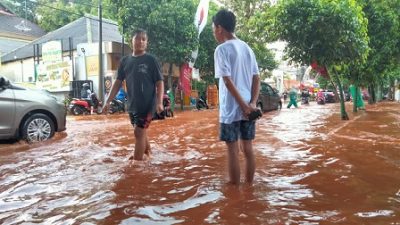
[(256, 114), (160, 108), (252, 112)]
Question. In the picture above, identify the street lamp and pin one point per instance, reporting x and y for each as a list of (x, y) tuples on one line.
[(84, 62)]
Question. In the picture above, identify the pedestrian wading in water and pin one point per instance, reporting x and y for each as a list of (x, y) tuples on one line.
[(145, 89), (239, 87)]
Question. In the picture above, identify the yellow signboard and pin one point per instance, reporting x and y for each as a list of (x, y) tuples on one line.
[(92, 65)]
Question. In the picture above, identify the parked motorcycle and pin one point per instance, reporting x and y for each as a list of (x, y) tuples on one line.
[(84, 106), (320, 98), (304, 97), (201, 103), (167, 109), (116, 106), (304, 101), (167, 106)]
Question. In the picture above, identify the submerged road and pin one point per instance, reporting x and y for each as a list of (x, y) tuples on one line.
[(312, 168)]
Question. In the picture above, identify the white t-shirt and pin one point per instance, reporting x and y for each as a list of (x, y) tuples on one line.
[(235, 59)]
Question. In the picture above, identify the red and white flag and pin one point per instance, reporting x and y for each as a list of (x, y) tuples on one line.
[(200, 19)]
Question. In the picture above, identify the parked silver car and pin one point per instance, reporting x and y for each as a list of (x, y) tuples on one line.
[(32, 115)]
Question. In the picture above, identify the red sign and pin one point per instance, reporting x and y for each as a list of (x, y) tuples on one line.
[(185, 76)]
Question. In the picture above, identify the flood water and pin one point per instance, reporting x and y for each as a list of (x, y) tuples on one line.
[(312, 168)]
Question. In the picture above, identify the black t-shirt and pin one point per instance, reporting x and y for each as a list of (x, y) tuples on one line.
[(141, 74)]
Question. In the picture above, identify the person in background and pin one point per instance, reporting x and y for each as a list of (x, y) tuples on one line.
[(121, 95), (86, 93), (172, 100), (292, 98), (145, 89), (285, 94), (239, 87), (356, 95)]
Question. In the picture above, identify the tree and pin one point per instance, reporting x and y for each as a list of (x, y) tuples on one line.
[(22, 8), (328, 32), (56, 14), (171, 30), (384, 33), (252, 20)]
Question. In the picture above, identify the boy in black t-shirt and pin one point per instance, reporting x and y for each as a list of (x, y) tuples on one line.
[(145, 88)]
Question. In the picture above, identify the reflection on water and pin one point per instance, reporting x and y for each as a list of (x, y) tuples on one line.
[(312, 168)]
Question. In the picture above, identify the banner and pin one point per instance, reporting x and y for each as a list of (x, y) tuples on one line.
[(52, 52), (195, 74), (185, 77), (54, 77)]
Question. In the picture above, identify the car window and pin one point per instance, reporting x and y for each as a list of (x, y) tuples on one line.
[(264, 88), (269, 90)]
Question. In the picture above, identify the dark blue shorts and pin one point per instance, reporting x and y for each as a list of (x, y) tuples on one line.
[(140, 121), (245, 130)]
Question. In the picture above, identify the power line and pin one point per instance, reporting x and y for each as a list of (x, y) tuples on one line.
[(109, 7)]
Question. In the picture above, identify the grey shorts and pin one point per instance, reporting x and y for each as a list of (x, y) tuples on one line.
[(245, 130)]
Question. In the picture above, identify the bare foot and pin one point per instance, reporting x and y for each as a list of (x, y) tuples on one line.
[(131, 162), (147, 152)]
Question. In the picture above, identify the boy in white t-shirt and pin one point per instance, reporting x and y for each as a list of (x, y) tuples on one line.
[(239, 86)]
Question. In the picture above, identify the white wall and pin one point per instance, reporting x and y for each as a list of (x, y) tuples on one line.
[(19, 71)]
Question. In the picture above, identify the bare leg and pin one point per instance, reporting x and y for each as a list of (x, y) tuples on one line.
[(233, 162), (247, 147), (140, 144), (148, 149)]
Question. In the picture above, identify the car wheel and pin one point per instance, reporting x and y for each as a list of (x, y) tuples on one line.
[(77, 110), (260, 106), (38, 127)]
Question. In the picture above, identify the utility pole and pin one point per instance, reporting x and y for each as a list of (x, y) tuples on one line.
[(101, 74)]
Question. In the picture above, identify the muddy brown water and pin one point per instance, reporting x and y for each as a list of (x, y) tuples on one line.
[(312, 168)]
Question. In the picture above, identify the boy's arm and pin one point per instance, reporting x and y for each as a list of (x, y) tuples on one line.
[(255, 90), (114, 89), (160, 95)]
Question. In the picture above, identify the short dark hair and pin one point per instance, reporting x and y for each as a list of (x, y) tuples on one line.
[(225, 19), (138, 31)]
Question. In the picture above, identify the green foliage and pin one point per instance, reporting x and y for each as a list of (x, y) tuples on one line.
[(253, 17), (52, 19), (55, 14), (20, 9), (384, 33), (171, 31), (324, 83), (201, 86), (329, 31)]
